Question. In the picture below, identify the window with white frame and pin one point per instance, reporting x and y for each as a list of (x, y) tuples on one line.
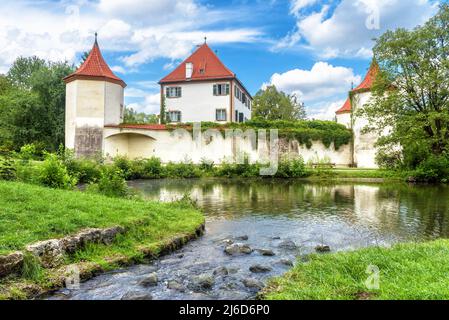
[(220, 115), (174, 116), (221, 89), (173, 92)]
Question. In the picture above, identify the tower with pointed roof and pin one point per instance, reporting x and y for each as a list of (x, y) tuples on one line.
[(94, 99), (202, 88), (364, 150)]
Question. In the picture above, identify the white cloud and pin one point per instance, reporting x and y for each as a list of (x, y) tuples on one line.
[(324, 111), (118, 69), (149, 29), (320, 82), (149, 105), (348, 30)]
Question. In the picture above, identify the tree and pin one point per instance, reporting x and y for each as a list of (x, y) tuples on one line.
[(271, 104), (133, 117), (411, 91), (163, 114), (84, 57), (33, 108)]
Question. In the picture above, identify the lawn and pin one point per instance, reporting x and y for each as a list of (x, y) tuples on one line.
[(415, 271), (31, 213)]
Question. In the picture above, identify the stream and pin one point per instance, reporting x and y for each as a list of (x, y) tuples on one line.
[(281, 222)]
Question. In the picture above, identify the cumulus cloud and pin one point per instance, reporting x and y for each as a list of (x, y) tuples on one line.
[(321, 82), (138, 30), (347, 30), (149, 105), (324, 111)]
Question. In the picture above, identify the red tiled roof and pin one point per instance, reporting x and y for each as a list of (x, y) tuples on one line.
[(365, 86), (95, 68), (206, 65), (367, 83), (139, 126), (346, 107)]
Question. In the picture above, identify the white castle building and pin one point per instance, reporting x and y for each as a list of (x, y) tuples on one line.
[(200, 89)]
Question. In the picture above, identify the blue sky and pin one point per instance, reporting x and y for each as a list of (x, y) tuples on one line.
[(314, 48)]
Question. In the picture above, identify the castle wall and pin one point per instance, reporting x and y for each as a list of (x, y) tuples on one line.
[(179, 146)]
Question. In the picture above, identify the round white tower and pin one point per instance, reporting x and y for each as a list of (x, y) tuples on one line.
[(94, 98)]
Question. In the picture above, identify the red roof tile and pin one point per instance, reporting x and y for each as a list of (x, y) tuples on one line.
[(365, 86), (346, 107), (206, 66), (367, 83), (139, 126), (95, 68)]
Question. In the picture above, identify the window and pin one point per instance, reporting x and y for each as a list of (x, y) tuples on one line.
[(241, 117), (174, 116), (173, 92), (221, 89), (220, 115), (236, 116)]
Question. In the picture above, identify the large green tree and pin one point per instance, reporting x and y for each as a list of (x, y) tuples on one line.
[(133, 117), (411, 92), (271, 104), (33, 107)]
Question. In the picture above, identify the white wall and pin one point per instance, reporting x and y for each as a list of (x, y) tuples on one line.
[(238, 105), (179, 146), (114, 102), (198, 102), (345, 119), (364, 143)]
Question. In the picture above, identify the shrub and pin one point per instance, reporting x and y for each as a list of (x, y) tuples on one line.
[(182, 170), (125, 165), (152, 168), (207, 166), (112, 183), (7, 169), (294, 168), (434, 169), (245, 169), (53, 173)]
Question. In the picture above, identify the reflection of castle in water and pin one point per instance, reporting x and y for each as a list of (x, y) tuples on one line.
[(394, 209)]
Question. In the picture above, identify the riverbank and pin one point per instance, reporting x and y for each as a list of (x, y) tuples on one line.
[(31, 214), (414, 271)]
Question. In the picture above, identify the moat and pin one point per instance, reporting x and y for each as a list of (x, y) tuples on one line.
[(280, 221)]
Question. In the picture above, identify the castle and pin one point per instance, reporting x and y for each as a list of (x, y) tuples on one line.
[(202, 88)]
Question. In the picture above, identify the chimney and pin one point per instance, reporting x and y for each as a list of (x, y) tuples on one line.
[(189, 70)]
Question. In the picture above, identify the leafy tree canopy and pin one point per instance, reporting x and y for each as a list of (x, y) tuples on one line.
[(271, 104), (133, 117), (411, 92), (33, 106)]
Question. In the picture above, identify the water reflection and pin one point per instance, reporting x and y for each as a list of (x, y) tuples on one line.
[(400, 210), (344, 216)]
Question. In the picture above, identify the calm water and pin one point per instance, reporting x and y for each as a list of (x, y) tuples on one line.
[(343, 216)]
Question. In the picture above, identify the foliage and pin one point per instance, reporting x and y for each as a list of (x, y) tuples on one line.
[(163, 113), (244, 170), (7, 169), (411, 92), (433, 169), (271, 104), (182, 170), (53, 173), (304, 131), (292, 168), (133, 117), (33, 106), (111, 184), (415, 271)]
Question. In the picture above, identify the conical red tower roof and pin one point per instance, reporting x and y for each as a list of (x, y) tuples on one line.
[(206, 66), (365, 86), (95, 68)]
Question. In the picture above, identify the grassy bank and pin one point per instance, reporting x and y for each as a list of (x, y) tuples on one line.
[(416, 271), (32, 213), (354, 173)]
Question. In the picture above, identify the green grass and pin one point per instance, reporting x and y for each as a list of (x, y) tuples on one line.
[(349, 173), (416, 271), (31, 213)]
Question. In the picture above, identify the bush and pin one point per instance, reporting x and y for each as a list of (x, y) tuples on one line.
[(53, 173), (434, 169), (294, 168), (207, 166), (182, 170), (7, 169), (125, 165), (31, 151), (245, 169), (152, 168), (112, 183)]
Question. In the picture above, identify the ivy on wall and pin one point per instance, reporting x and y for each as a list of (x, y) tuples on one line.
[(304, 131)]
